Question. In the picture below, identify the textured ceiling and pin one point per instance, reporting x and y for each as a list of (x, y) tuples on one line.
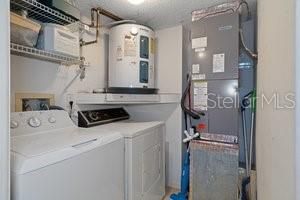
[(154, 13)]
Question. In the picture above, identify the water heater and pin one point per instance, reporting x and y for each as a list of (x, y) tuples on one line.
[(131, 59)]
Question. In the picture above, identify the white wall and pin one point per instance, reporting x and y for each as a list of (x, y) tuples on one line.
[(298, 100), (4, 100), (169, 80), (169, 60), (30, 75), (276, 127)]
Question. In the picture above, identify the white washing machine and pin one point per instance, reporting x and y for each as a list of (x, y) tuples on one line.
[(144, 151), (53, 159)]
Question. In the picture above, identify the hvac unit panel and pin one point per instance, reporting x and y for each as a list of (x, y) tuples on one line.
[(218, 99), (215, 43)]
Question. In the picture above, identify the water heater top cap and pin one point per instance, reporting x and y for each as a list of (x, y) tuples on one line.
[(133, 24), (136, 2)]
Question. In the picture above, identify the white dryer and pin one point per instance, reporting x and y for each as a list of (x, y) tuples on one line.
[(51, 159), (144, 151)]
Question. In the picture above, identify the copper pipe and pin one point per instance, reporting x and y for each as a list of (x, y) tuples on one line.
[(108, 14), (101, 11), (98, 11), (92, 24), (97, 26)]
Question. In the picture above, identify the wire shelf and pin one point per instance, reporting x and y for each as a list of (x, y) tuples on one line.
[(21, 50), (44, 14), (40, 12)]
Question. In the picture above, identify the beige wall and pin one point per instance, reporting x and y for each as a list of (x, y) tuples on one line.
[(298, 100), (4, 101), (276, 127), (169, 60)]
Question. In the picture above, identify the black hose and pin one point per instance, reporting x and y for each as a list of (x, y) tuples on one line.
[(246, 101), (185, 121), (56, 108), (245, 182), (186, 110)]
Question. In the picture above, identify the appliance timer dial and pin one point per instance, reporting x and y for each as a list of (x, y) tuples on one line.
[(34, 122), (14, 124), (52, 120)]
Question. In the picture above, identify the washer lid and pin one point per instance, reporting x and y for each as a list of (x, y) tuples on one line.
[(31, 152), (131, 129)]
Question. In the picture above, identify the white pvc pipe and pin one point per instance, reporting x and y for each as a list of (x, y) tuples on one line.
[(4, 99), (251, 141), (245, 143)]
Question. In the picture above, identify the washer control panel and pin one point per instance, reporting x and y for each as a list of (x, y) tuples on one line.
[(23, 123)]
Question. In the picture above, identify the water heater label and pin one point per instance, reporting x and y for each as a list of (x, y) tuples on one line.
[(219, 63), (130, 47), (119, 53)]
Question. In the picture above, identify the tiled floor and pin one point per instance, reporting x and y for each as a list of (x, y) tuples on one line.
[(169, 191)]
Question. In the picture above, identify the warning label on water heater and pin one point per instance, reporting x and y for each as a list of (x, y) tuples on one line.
[(119, 53), (219, 63), (130, 47)]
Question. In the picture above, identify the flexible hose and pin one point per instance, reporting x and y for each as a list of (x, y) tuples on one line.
[(56, 108), (253, 55), (186, 110), (80, 72)]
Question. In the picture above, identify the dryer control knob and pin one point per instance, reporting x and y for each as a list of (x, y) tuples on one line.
[(52, 120), (34, 122), (14, 124)]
